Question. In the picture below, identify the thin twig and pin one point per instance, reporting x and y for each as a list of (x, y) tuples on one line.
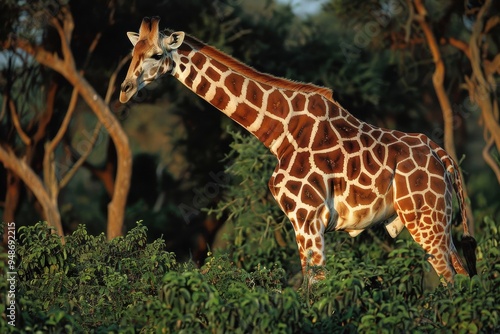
[(65, 31), (91, 49), (69, 175), (409, 22), (459, 44), (112, 79), (65, 123)]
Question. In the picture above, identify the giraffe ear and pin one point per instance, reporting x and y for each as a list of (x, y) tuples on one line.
[(174, 41), (133, 37)]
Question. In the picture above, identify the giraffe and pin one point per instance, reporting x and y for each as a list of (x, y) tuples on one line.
[(334, 172)]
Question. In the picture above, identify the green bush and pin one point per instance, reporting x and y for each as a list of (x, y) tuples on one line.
[(128, 285)]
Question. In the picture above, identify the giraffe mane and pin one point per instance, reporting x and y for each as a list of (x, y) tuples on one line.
[(250, 72)]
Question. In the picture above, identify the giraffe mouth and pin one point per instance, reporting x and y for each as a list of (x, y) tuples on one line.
[(128, 89)]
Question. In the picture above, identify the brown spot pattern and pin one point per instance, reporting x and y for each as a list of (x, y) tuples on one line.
[(270, 131), (254, 94), (244, 114), (203, 87), (234, 82), (277, 104), (221, 99), (212, 74)]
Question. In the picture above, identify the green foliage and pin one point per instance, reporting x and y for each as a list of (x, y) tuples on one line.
[(128, 285), (93, 281)]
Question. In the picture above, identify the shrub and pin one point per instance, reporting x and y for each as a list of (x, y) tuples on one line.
[(128, 285)]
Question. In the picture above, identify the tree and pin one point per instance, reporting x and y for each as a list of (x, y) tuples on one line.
[(46, 190)]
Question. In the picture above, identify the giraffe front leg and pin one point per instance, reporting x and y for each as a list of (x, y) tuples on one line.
[(307, 223), (310, 243)]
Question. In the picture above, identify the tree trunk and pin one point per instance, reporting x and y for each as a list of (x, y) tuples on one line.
[(33, 182), (12, 195), (438, 80)]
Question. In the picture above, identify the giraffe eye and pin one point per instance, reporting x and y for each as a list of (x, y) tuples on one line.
[(157, 56)]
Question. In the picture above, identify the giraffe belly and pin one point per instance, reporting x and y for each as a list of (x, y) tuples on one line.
[(356, 220)]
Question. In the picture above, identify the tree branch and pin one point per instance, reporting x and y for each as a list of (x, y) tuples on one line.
[(489, 159), (481, 89), (45, 118), (65, 31), (81, 160), (17, 124), (438, 79), (459, 44), (65, 123)]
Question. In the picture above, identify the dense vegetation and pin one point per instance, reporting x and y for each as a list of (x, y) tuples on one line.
[(130, 285)]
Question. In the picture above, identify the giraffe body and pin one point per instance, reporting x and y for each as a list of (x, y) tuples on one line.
[(334, 172)]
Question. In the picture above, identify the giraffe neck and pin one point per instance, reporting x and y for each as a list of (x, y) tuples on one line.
[(261, 103)]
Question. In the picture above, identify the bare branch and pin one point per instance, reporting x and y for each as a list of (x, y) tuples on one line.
[(65, 31), (491, 23), (65, 123), (489, 160), (112, 79), (409, 22), (459, 44), (492, 67), (438, 79), (17, 124), (81, 160), (44, 120), (91, 49)]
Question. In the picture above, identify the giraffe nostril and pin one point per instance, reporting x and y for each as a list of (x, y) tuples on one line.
[(126, 87)]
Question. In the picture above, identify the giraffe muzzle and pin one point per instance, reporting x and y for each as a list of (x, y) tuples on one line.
[(128, 89)]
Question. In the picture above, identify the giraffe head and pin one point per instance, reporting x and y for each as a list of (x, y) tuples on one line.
[(151, 56)]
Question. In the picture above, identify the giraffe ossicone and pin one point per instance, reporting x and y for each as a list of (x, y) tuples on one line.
[(334, 172)]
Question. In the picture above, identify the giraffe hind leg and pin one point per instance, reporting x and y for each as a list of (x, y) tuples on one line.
[(457, 263), (435, 241)]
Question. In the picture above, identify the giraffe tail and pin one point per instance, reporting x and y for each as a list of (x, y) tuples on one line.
[(469, 244)]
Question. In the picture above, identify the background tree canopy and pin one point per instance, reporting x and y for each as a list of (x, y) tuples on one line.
[(199, 181)]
